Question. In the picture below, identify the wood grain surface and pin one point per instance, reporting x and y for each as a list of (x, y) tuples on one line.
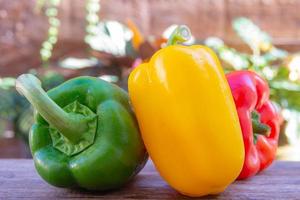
[(19, 180)]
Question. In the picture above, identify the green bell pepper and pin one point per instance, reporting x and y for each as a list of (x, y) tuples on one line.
[(85, 134)]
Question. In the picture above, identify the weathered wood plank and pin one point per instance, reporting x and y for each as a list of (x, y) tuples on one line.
[(18, 179)]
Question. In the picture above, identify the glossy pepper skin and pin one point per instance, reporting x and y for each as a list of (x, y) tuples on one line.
[(188, 119), (109, 154), (251, 94)]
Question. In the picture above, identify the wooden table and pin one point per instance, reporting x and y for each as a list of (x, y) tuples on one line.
[(18, 179)]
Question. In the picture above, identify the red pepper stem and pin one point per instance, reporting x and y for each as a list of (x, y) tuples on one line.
[(181, 34), (71, 125), (257, 126)]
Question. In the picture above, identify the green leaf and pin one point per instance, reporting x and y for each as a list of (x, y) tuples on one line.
[(215, 43), (229, 56), (7, 104), (285, 85), (286, 94), (275, 54), (251, 34), (7, 82), (78, 63), (110, 37), (24, 122), (51, 79)]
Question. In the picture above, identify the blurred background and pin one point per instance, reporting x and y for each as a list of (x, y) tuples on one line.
[(60, 39)]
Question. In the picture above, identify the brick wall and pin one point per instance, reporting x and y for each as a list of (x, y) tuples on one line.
[(22, 30)]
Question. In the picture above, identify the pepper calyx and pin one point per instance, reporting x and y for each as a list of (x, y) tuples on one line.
[(258, 127), (75, 123), (63, 144)]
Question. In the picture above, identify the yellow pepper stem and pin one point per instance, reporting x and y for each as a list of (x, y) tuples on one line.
[(181, 34)]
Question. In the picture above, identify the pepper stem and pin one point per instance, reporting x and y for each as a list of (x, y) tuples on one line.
[(181, 34), (257, 126), (71, 125)]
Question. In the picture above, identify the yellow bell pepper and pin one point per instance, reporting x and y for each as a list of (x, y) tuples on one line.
[(188, 118)]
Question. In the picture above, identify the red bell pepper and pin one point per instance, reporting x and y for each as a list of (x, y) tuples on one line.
[(259, 120)]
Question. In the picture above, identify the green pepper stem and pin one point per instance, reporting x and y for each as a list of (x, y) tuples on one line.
[(181, 34), (257, 126), (71, 125), (260, 128)]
